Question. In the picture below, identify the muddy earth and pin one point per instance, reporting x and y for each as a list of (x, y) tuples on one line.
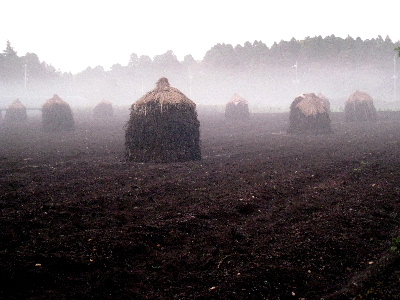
[(264, 215)]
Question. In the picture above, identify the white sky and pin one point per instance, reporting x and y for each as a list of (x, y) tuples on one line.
[(74, 34)]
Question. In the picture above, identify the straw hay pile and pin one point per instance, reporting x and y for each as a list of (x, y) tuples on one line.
[(237, 108), (104, 109), (163, 127), (309, 114), (360, 107), (16, 113), (57, 115)]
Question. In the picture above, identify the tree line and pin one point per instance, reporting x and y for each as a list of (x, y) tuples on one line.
[(13, 67), (315, 60)]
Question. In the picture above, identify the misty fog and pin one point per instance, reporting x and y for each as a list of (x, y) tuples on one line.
[(265, 76)]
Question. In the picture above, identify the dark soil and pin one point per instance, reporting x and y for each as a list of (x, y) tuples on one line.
[(263, 215)]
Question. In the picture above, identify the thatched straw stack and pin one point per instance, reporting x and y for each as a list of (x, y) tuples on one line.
[(57, 115), (309, 114), (359, 107), (16, 113), (163, 127), (237, 108), (104, 109)]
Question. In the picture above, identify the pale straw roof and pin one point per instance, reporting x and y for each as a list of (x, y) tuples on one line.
[(17, 104), (55, 100), (164, 94), (236, 99), (311, 105), (360, 96)]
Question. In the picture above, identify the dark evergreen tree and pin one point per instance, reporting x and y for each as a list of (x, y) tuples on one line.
[(221, 56), (11, 68), (167, 61)]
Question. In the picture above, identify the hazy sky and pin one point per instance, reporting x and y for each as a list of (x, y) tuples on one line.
[(72, 35)]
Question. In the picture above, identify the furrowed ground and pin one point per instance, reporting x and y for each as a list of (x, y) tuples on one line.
[(264, 215)]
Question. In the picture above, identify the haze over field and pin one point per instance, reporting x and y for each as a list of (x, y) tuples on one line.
[(72, 35), (101, 43)]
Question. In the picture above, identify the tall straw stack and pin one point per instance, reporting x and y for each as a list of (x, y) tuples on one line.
[(237, 108), (16, 113), (163, 127), (57, 115), (360, 107), (104, 109), (309, 114)]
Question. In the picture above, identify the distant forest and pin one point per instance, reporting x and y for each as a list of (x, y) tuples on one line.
[(265, 76)]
